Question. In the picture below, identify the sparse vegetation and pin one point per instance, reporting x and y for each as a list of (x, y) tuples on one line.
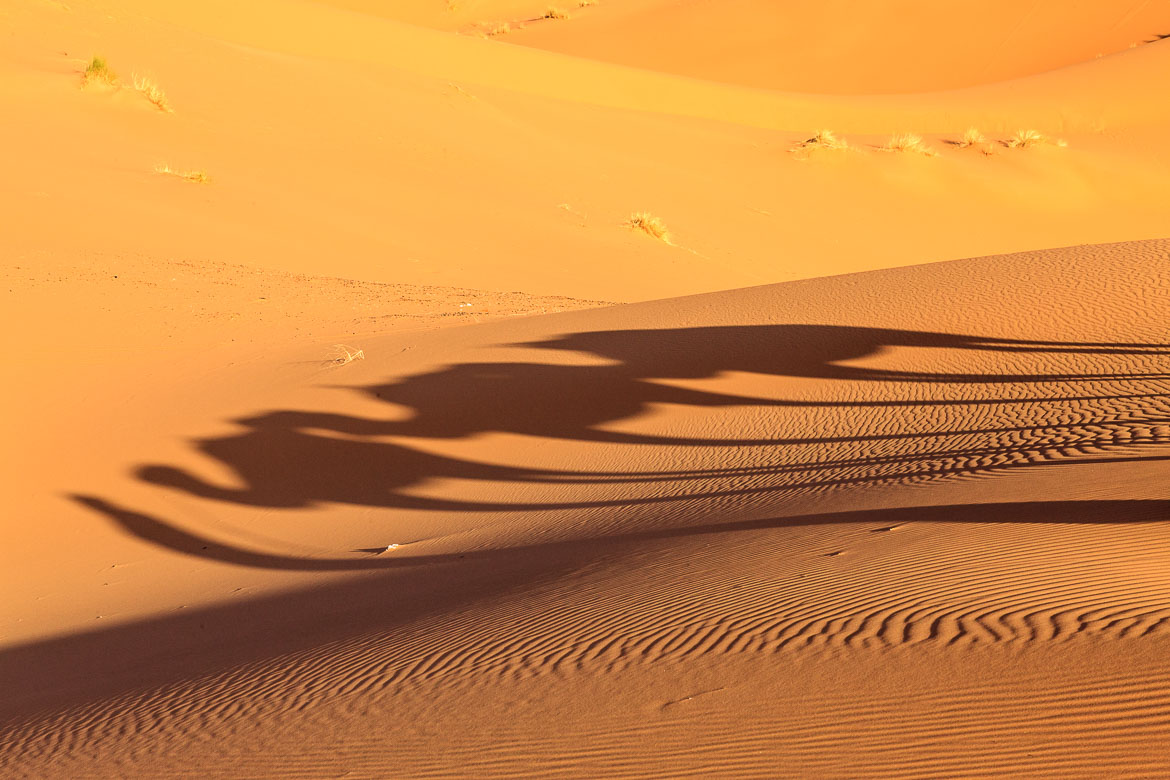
[(971, 137), (586, 3), (345, 355), (98, 71), (908, 142), (496, 28), (650, 225), (555, 13), (150, 90), (197, 177), (822, 139), (1024, 139)]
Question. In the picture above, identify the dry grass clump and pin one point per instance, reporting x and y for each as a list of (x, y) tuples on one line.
[(555, 13), (586, 3), (197, 177), (98, 71), (827, 139), (1025, 139), (971, 137), (908, 142), (496, 28), (822, 139), (345, 355), (650, 225), (150, 90)]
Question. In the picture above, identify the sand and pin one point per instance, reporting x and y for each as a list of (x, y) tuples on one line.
[(386, 447)]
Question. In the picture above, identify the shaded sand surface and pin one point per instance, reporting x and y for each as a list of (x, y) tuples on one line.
[(350, 430), (900, 523)]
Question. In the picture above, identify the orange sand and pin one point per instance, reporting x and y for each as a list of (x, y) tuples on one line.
[(807, 503)]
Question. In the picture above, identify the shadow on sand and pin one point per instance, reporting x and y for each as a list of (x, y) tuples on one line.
[(288, 458)]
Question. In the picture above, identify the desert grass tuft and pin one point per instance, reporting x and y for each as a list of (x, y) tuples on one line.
[(346, 355), (908, 142), (586, 3), (196, 177), (650, 225), (1025, 139), (151, 91), (823, 139), (497, 28), (555, 13), (971, 137), (98, 71)]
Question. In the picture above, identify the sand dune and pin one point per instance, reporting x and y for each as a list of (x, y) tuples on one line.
[(351, 429), (712, 507), (814, 47)]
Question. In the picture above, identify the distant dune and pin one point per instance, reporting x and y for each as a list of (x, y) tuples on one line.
[(652, 389), (347, 145), (846, 47)]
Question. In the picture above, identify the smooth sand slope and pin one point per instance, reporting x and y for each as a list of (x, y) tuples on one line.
[(758, 519)]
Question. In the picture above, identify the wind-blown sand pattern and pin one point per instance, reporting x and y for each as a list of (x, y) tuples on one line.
[(391, 450)]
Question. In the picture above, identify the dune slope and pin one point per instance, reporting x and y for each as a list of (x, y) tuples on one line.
[(875, 524)]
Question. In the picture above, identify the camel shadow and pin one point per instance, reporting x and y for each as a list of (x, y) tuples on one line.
[(296, 459)]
